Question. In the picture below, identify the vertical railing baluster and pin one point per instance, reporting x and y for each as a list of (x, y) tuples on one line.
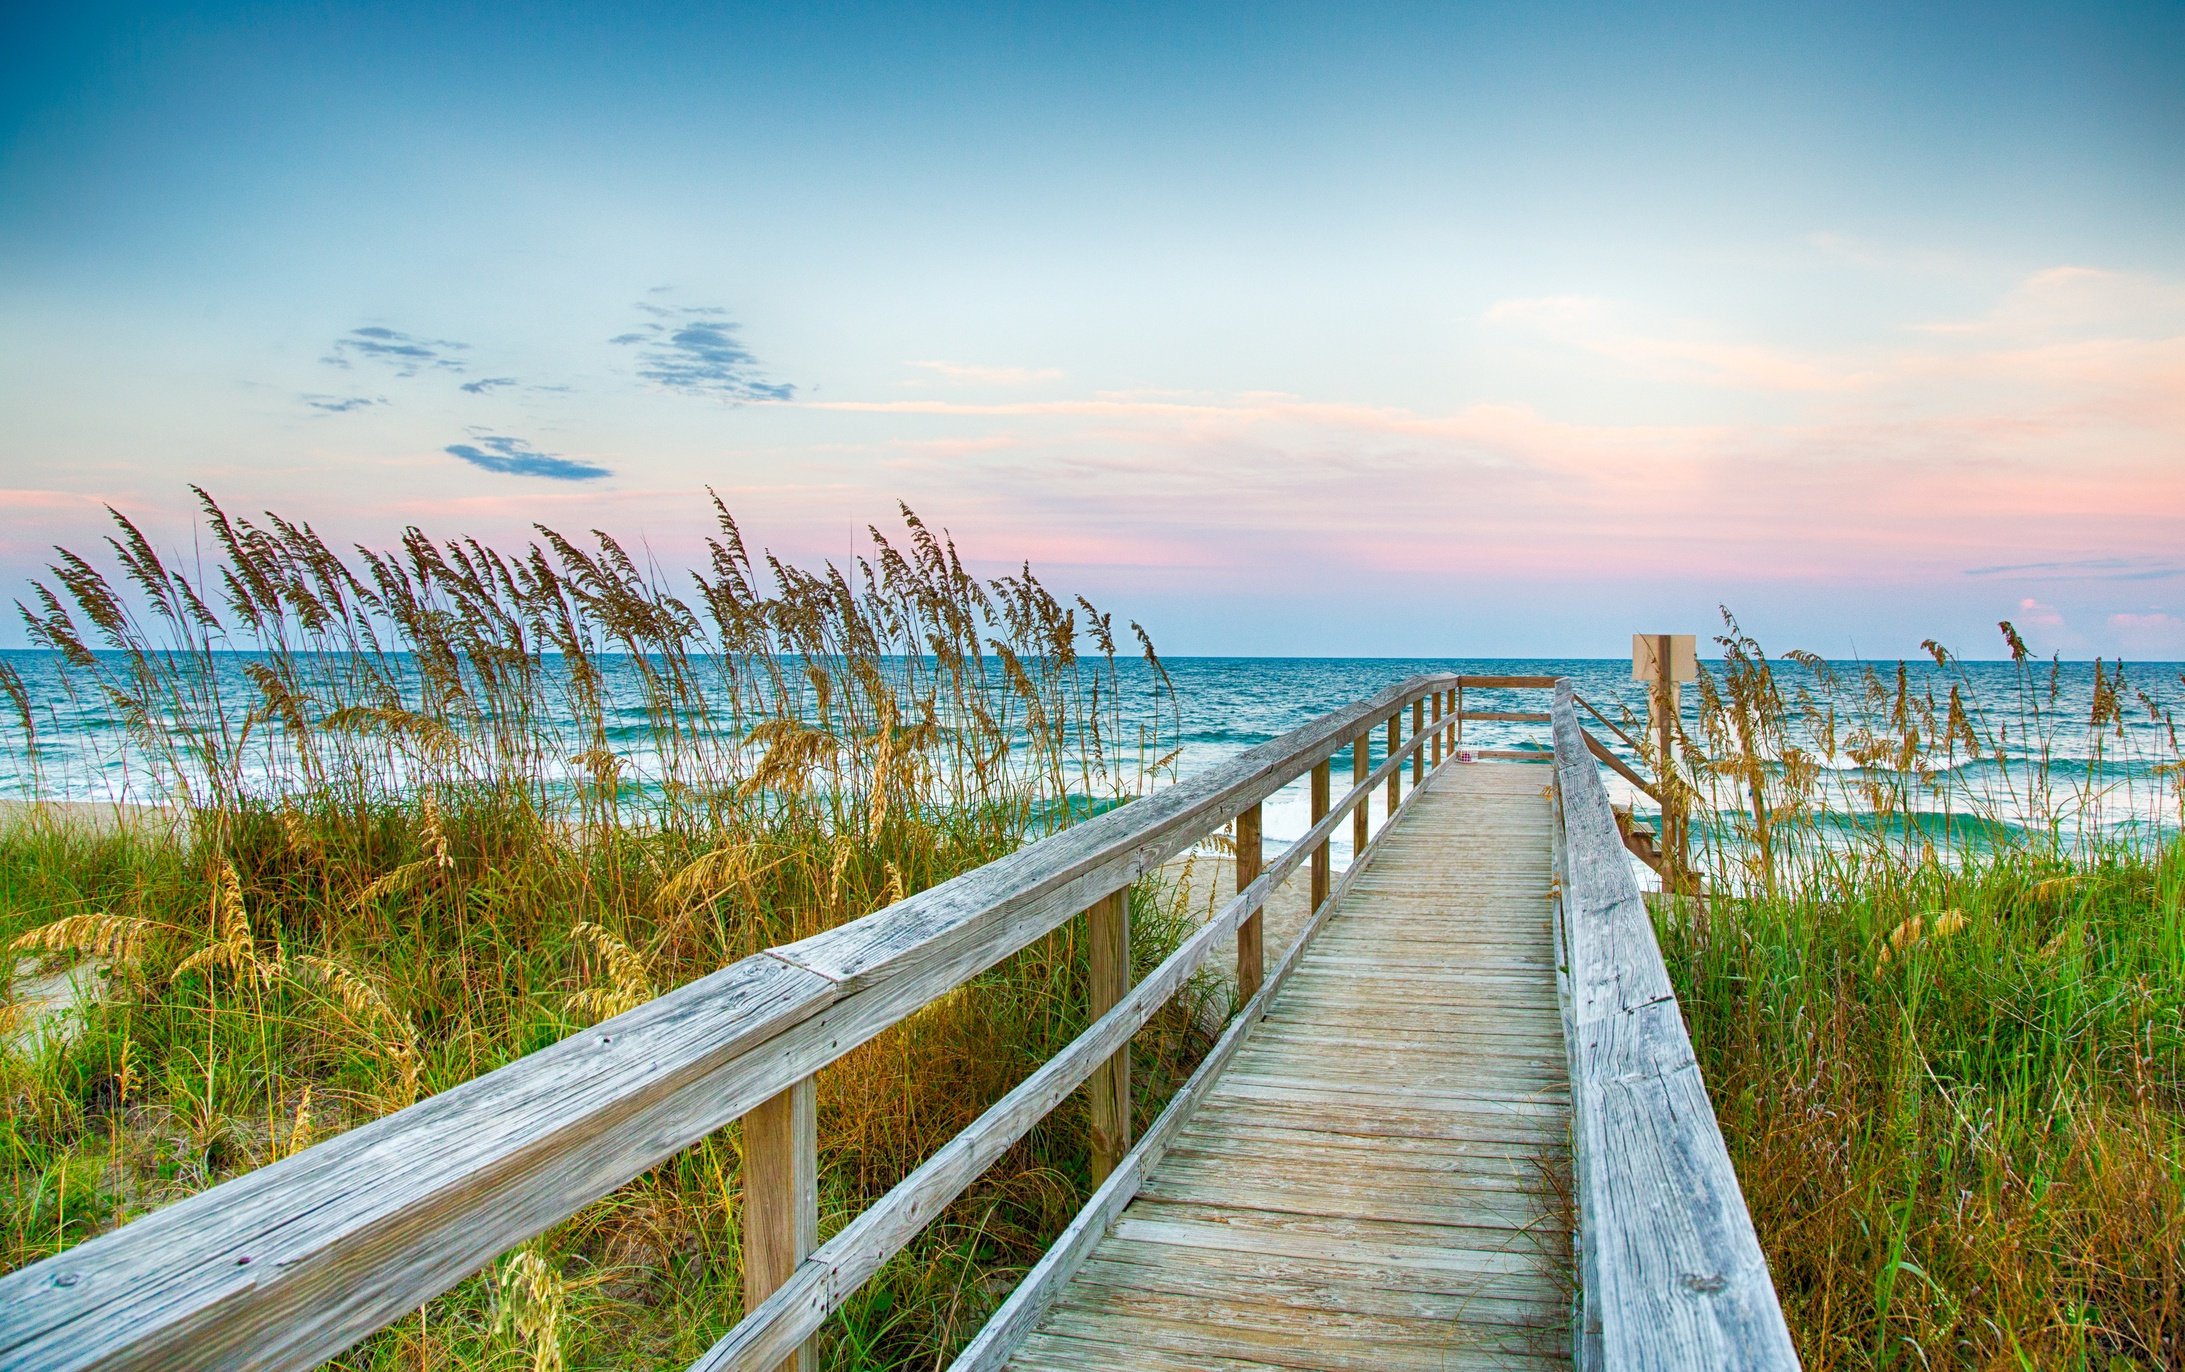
[(1361, 817), (1320, 853), (1251, 958), (1438, 731), (1395, 774), (1418, 727), (1108, 924), (781, 1197)]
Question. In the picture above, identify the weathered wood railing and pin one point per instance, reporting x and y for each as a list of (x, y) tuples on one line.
[(1671, 1272), (293, 1263)]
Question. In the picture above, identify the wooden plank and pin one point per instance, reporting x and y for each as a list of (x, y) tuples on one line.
[(1061, 1353), (1311, 1308), (781, 1197), (1108, 927), (1500, 683), (1216, 1278), (1427, 1114), (1413, 1251), (1674, 1273), (1290, 1339)]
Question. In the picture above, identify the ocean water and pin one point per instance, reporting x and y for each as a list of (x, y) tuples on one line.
[(1214, 708), (2114, 778)]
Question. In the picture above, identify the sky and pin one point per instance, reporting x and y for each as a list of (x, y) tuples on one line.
[(1399, 330)]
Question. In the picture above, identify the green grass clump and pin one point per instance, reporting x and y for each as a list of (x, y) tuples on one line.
[(428, 810), (1947, 1052)]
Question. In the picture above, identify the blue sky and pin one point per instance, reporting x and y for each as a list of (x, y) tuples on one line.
[(1446, 328)]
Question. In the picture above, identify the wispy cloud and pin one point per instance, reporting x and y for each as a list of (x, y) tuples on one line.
[(405, 354), (515, 457), (343, 404), (972, 374), (1678, 352), (487, 385), (2073, 302), (694, 349), (2092, 568)]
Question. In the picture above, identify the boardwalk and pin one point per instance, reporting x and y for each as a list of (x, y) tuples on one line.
[(1376, 1179), (1372, 1167)]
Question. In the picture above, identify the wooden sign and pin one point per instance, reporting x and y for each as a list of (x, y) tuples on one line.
[(1683, 657)]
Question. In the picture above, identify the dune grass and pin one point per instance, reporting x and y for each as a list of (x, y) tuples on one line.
[(452, 805), (1948, 1053)]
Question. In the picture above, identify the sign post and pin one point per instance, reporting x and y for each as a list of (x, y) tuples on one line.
[(1663, 661)]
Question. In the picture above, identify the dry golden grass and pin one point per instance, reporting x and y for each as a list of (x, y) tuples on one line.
[(453, 803)]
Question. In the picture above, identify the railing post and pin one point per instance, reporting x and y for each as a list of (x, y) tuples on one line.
[(1663, 660), (1459, 713), (1361, 818), (1438, 730), (1455, 726), (1108, 924), (781, 1196), (1320, 854), (1418, 727), (1251, 959), (1395, 774)]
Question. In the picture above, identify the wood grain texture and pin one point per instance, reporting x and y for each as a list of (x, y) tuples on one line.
[(1322, 871), (1418, 726), (1395, 779), (781, 1197), (1107, 926), (1371, 1178), (1521, 683), (1361, 815), (1251, 934), (1673, 1273), (1609, 724), (1621, 768)]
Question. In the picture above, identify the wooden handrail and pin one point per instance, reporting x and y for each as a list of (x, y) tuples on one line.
[(1671, 1274), (290, 1264), (1611, 725), (1621, 768), (1513, 683)]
